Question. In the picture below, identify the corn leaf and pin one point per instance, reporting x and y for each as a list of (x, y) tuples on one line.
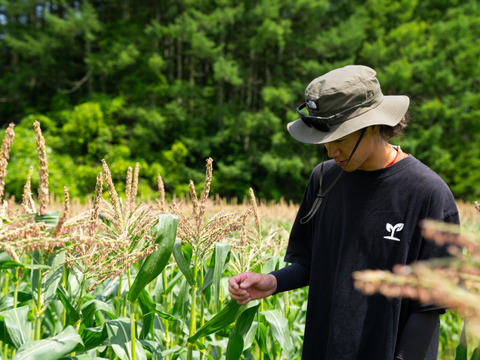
[(225, 317), (148, 320), (145, 301), (182, 262), (94, 308), (17, 325), (6, 302), (52, 277), (120, 338), (221, 256), (53, 348), (154, 347), (50, 218), (93, 337), (236, 339), (279, 326), (71, 312), (165, 233), (261, 337), (149, 309), (4, 336), (175, 350), (6, 262), (476, 354), (85, 357), (461, 350), (172, 283), (249, 337)]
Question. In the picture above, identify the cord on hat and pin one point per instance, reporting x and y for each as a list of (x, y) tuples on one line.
[(321, 195)]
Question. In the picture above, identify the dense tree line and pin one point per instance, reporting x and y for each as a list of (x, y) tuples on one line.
[(170, 83)]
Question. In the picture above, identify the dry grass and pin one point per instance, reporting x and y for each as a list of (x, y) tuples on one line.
[(270, 212)]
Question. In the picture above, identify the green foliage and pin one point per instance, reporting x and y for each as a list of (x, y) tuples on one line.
[(165, 232)]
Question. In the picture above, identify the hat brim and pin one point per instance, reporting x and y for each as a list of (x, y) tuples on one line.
[(389, 112)]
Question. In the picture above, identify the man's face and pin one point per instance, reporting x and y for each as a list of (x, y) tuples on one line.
[(364, 157)]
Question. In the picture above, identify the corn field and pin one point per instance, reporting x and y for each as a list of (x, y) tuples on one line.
[(124, 279)]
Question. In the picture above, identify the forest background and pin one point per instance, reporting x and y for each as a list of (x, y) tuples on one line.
[(170, 83)]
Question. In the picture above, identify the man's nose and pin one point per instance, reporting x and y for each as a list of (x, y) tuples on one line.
[(332, 150)]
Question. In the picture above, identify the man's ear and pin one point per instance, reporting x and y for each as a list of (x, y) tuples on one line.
[(375, 129)]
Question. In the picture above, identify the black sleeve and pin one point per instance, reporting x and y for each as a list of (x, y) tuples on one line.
[(417, 335), (291, 277)]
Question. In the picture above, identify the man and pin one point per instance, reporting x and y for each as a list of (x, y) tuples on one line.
[(360, 210)]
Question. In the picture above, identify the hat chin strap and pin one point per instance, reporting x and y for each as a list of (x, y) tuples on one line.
[(321, 195)]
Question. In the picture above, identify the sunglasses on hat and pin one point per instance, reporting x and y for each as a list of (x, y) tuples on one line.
[(323, 123)]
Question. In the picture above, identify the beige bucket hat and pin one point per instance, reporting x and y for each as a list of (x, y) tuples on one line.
[(343, 101)]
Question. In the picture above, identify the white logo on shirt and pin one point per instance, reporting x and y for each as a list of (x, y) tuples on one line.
[(392, 229)]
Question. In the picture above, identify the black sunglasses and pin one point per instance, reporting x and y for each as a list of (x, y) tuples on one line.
[(322, 123)]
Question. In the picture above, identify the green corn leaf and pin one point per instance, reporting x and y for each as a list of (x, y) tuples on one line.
[(94, 337), (53, 348), (149, 309), (166, 316), (174, 351), (476, 354), (17, 325), (225, 332), (234, 347), (120, 338), (6, 262), (461, 350), (221, 256), (6, 302), (70, 309), (222, 319), (208, 279), (93, 308), (261, 337), (84, 357), (182, 262), (52, 277), (279, 326), (146, 302), (4, 336), (249, 337), (270, 265), (50, 218), (182, 298), (236, 339), (154, 347), (172, 283), (148, 321), (165, 233)]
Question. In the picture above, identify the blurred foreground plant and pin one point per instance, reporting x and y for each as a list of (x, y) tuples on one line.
[(451, 282)]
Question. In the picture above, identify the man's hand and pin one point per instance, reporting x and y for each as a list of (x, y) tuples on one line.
[(251, 286)]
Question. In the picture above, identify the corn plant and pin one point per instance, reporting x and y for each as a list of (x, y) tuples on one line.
[(104, 284), (64, 260)]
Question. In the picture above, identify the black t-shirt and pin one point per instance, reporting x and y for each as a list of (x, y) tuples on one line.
[(369, 220)]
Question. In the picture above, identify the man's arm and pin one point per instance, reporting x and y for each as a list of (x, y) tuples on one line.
[(291, 277), (417, 335)]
